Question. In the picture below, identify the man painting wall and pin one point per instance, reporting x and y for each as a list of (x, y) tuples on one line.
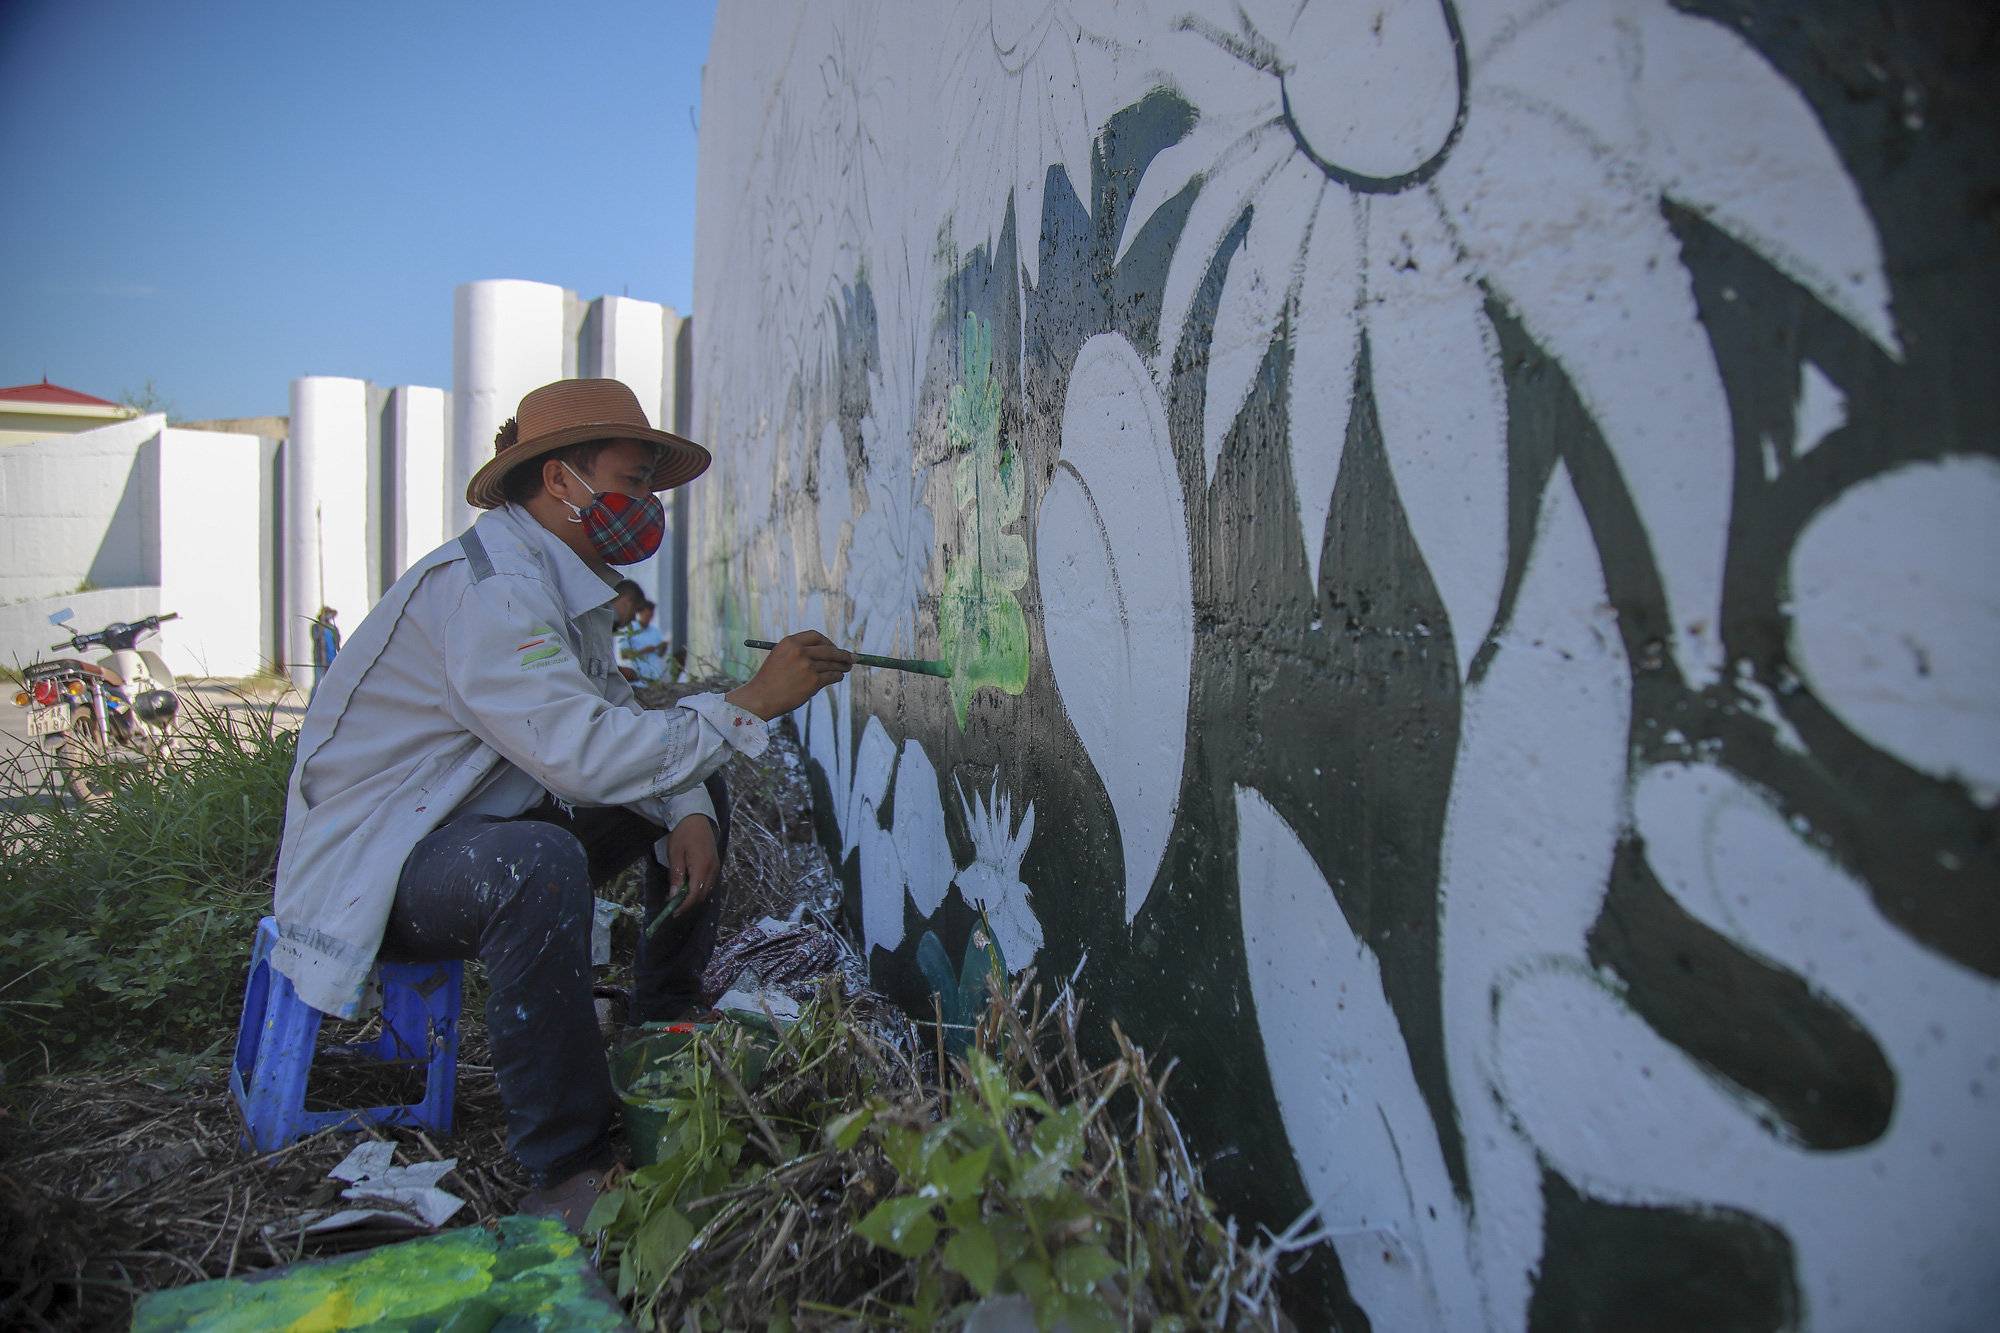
[(479, 763)]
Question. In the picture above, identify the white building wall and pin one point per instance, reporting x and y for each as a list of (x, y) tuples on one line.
[(326, 508), (70, 511), (207, 552), (508, 337)]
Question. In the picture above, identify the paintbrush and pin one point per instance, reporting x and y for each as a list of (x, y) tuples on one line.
[(921, 668)]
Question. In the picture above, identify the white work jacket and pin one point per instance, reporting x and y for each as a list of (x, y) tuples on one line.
[(487, 675)]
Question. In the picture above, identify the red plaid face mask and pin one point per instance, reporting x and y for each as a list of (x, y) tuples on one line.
[(624, 529)]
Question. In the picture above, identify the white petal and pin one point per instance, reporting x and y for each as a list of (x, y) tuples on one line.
[(1732, 139), (882, 879), (1111, 545), (1573, 61), (1896, 614), (1443, 407), (1359, 1128), (1487, 24), (1529, 836), (920, 836), (1325, 335), (1169, 173), (874, 760), (1253, 294), (1230, 183), (1592, 269)]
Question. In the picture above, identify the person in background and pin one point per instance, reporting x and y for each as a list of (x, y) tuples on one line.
[(646, 645), (326, 646), (625, 604), (626, 600)]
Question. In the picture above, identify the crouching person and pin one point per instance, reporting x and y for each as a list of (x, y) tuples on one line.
[(474, 763)]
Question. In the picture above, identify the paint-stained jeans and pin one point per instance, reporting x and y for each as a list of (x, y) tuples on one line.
[(516, 894)]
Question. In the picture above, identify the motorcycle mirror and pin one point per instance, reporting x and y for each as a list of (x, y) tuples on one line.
[(62, 617)]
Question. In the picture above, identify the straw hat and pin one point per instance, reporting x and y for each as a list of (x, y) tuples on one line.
[(570, 412)]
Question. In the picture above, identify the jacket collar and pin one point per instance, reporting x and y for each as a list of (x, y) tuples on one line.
[(582, 588)]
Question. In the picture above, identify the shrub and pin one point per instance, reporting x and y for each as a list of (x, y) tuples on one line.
[(127, 922)]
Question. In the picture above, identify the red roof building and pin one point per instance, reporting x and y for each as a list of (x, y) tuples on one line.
[(38, 411)]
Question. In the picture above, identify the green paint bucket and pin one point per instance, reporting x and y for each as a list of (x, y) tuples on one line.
[(650, 1072)]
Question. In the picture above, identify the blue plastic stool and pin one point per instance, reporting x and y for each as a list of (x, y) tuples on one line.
[(276, 1035)]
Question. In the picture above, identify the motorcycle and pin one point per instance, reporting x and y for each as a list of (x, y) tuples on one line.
[(122, 706)]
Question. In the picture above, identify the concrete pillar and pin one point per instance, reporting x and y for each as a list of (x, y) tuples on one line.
[(508, 337), (326, 511), (414, 463), (209, 488), (633, 341)]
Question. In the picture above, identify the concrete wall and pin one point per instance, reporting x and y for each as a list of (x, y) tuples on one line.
[(1464, 534), (209, 552), (26, 636), (70, 511), (172, 515)]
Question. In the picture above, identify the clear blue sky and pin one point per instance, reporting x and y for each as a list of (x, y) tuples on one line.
[(224, 195)]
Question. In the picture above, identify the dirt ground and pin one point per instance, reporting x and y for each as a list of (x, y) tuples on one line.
[(116, 1184)]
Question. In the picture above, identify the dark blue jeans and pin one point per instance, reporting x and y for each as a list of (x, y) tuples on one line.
[(516, 894)]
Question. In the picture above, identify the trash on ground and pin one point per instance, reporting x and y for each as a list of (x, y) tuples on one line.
[(407, 1195)]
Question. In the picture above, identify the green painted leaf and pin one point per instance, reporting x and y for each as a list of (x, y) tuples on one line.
[(972, 1255), (902, 1226), (936, 966)]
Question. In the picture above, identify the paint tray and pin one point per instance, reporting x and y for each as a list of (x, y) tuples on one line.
[(651, 1072), (522, 1275)]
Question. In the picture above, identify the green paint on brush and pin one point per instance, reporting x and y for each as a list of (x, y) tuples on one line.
[(980, 624), (530, 1276)]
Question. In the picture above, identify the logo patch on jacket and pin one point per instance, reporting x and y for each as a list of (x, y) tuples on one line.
[(542, 649)]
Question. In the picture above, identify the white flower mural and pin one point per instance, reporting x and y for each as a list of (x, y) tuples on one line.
[(1550, 318), (993, 881), (1402, 161)]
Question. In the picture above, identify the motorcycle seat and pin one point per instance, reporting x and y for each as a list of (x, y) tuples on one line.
[(78, 665)]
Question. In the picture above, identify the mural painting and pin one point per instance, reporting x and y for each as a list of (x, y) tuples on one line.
[(1464, 533)]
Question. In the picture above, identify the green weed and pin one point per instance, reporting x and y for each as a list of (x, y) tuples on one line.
[(126, 923), (831, 1188)]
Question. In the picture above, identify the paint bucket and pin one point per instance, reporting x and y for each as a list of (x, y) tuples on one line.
[(649, 1072)]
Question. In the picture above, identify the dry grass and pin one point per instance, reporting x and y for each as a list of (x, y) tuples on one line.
[(116, 1184)]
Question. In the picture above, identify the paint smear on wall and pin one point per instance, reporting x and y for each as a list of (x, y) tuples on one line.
[(984, 634)]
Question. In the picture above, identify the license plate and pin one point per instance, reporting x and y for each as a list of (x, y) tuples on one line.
[(47, 721)]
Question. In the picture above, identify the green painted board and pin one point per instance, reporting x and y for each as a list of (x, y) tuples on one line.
[(528, 1276)]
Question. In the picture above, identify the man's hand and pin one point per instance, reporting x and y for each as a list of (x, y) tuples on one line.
[(798, 668), (691, 860)]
